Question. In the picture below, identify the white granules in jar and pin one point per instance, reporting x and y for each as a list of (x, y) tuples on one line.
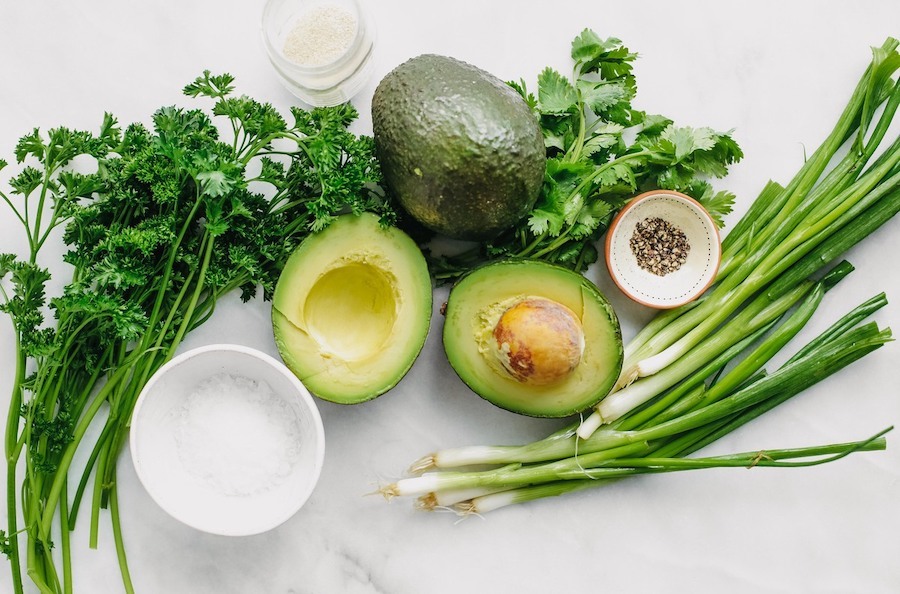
[(237, 436), (320, 36)]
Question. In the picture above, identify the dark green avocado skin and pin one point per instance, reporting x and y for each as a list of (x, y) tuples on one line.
[(460, 149)]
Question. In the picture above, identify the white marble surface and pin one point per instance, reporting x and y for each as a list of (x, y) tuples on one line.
[(778, 72)]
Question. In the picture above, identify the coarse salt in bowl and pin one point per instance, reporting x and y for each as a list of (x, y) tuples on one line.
[(655, 277), (227, 440)]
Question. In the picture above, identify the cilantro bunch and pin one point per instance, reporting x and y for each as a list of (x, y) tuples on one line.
[(601, 151), (171, 218)]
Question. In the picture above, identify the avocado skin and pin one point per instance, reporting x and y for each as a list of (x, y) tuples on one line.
[(459, 148)]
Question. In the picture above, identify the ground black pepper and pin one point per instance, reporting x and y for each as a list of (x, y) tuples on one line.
[(659, 246)]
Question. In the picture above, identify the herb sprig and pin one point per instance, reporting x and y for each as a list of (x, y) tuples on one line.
[(601, 151), (174, 216)]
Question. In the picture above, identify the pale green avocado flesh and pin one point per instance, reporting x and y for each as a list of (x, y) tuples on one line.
[(352, 309), (476, 304)]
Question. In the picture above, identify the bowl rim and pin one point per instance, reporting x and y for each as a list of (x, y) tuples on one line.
[(643, 197), (301, 392)]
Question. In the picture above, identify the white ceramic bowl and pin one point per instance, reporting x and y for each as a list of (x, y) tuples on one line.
[(693, 277), (195, 447)]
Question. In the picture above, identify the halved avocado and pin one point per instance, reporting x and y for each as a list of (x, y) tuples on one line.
[(533, 338), (352, 308)]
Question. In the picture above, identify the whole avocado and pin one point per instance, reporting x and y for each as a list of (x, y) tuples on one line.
[(460, 149)]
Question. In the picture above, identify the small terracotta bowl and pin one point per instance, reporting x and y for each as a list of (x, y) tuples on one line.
[(694, 275)]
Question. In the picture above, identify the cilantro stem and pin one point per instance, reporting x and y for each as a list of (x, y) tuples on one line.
[(557, 243), (573, 154), (532, 245)]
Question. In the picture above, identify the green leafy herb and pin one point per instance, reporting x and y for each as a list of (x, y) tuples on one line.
[(600, 152), (175, 216)]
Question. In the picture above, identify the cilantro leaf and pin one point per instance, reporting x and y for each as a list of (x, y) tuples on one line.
[(522, 89), (681, 142), (588, 46), (602, 96), (556, 95), (718, 204)]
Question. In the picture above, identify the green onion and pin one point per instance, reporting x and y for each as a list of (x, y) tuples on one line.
[(612, 465), (630, 467)]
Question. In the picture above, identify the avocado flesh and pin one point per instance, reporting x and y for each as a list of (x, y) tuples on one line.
[(480, 298), (352, 308), (460, 149)]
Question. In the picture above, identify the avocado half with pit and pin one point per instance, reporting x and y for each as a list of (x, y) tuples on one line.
[(533, 338), (351, 309), (460, 149)]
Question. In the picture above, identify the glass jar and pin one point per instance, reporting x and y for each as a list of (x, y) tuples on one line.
[(318, 83)]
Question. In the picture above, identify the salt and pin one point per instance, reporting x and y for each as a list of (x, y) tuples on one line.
[(321, 35), (237, 436)]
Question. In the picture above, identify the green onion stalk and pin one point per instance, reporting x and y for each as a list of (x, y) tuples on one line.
[(625, 467)]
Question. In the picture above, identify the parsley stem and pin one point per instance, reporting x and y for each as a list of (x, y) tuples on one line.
[(85, 475), (164, 281), (208, 241), (12, 458), (65, 547), (49, 168), (13, 208), (81, 428), (117, 537), (12, 527), (102, 460), (248, 152), (14, 416)]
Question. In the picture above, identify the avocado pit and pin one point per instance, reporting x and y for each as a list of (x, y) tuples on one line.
[(538, 341)]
